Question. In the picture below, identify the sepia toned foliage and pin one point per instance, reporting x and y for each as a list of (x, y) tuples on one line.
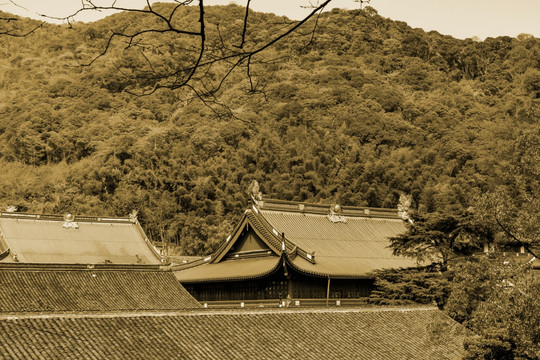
[(420, 285), (498, 301), (512, 209), (495, 297), (179, 46), (440, 238), (358, 112)]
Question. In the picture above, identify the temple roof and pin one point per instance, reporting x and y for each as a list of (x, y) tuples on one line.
[(242, 269), (29, 238), (312, 238), (105, 288), (353, 333)]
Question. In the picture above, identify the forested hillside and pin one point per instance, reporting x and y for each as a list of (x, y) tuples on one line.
[(367, 110)]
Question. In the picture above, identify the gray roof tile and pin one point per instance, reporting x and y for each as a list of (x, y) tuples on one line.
[(44, 239), (310, 334), (40, 290)]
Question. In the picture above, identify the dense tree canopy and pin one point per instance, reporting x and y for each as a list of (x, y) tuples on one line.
[(441, 238), (359, 112), (498, 301)]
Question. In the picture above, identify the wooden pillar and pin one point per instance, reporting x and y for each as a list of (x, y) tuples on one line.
[(289, 287), (328, 291)]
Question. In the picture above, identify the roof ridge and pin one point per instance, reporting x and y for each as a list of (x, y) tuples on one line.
[(210, 312), (356, 257), (7, 266), (324, 209), (58, 217), (289, 247)]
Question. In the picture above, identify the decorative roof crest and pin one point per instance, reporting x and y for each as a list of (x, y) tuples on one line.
[(335, 214), (69, 222)]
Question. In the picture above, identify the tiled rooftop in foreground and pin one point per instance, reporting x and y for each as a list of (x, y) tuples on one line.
[(353, 333), (69, 288)]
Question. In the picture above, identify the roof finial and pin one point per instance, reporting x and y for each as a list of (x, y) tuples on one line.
[(404, 204), (133, 216), (254, 191), (11, 208)]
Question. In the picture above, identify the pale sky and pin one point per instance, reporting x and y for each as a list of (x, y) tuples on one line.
[(459, 18)]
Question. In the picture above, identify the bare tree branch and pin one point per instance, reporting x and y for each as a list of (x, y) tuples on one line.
[(245, 26), (17, 5), (203, 40), (14, 31), (292, 29), (249, 55), (197, 64), (314, 29)]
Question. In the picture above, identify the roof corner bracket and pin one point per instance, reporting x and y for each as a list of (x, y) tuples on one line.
[(292, 254)]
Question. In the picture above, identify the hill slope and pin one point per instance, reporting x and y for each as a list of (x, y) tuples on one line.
[(369, 109)]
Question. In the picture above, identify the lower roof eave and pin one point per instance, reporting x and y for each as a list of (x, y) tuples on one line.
[(225, 279), (330, 275), (274, 265)]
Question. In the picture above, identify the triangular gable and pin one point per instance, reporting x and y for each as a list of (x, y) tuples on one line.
[(245, 238), (249, 241)]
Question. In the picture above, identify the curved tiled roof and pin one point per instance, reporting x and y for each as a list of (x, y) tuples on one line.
[(48, 239), (375, 334), (241, 269), (312, 242), (352, 248), (38, 289)]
